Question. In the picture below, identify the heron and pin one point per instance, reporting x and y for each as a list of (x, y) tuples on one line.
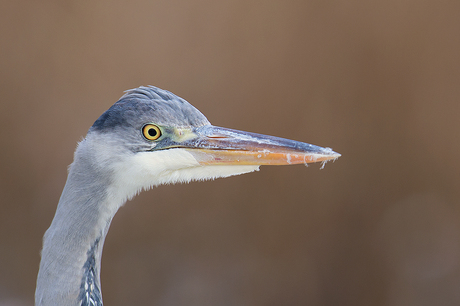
[(149, 137)]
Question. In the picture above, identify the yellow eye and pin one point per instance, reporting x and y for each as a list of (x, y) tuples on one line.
[(151, 132)]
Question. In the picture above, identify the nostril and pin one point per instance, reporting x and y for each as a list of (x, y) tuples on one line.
[(217, 136)]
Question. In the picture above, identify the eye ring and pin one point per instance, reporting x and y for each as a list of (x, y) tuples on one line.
[(151, 132)]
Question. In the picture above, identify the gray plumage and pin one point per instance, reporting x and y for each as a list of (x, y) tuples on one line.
[(149, 104), (115, 161), (77, 223)]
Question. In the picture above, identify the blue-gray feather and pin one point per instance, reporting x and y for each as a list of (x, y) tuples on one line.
[(149, 105)]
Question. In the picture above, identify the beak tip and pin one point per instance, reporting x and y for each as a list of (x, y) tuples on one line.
[(329, 152)]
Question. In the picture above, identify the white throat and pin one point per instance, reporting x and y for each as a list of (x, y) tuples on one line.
[(148, 169)]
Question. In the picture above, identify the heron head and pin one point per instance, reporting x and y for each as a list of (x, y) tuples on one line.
[(152, 137)]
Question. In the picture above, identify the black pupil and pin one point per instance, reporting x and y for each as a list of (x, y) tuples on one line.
[(152, 132)]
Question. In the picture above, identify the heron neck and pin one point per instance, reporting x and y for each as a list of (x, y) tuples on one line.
[(72, 247)]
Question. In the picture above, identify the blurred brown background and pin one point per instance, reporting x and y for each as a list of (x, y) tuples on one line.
[(378, 81)]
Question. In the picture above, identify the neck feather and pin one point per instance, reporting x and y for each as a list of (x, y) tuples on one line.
[(72, 246)]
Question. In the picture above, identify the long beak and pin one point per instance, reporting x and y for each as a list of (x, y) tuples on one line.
[(212, 145)]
